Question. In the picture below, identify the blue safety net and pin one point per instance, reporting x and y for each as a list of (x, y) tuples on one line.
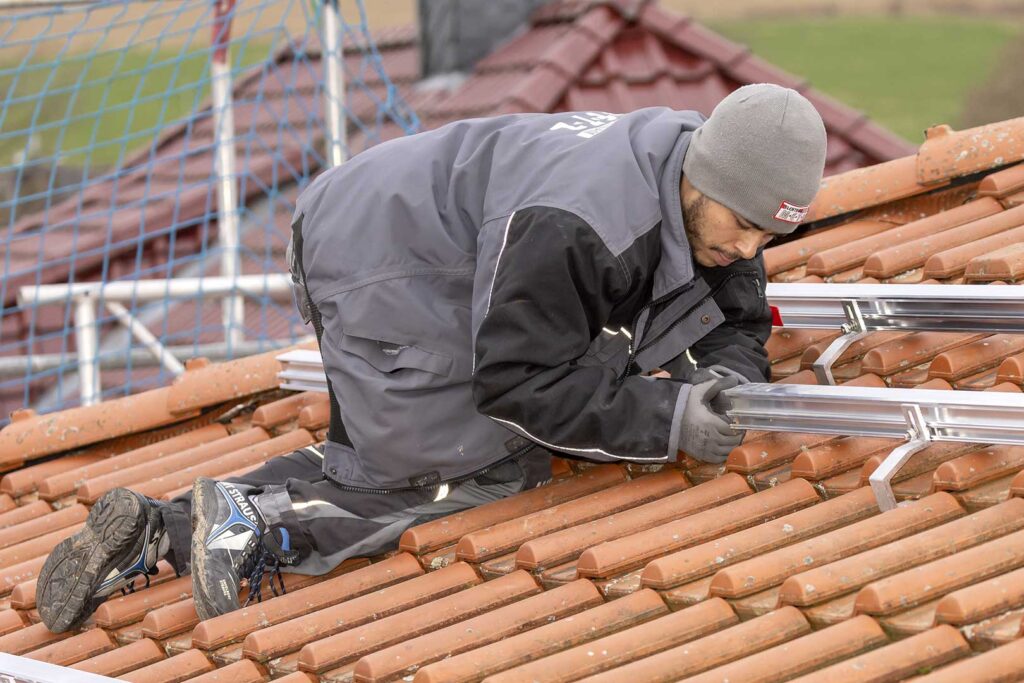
[(109, 134)]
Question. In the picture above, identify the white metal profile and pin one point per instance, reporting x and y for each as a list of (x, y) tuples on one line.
[(860, 309), (918, 415)]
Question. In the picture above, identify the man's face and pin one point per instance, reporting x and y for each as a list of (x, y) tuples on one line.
[(718, 236)]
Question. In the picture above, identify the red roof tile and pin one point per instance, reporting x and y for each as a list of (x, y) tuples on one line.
[(934, 579), (449, 530), (148, 468), (636, 550), (551, 605), (82, 646), (229, 628), (10, 621), (67, 482), (30, 638), (982, 600), (625, 646), (852, 572), (774, 568), (804, 654), (723, 645), (1002, 664), (548, 639), (350, 646), (504, 537), (180, 667), (563, 546), (24, 513), (30, 436)]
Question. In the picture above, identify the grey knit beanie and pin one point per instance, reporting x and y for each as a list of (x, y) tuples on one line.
[(760, 154)]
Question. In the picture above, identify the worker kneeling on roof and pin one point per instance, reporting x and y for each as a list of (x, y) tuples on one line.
[(487, 294)]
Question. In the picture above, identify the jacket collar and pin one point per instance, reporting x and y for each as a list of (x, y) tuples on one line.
[(676, 266)]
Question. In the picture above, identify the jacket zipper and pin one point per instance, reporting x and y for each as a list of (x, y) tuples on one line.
[(451, 482), (649, 343), (633, 350)]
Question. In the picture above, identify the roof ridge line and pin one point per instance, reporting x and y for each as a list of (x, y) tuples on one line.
[(945, 155)]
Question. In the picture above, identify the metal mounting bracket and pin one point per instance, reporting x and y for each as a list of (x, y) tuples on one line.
[(919, 437), (853, 331)]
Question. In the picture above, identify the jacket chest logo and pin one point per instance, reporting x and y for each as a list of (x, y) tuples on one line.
[(587, 124)]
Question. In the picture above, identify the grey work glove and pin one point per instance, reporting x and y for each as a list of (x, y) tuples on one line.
[(720, 403), (704, 434)]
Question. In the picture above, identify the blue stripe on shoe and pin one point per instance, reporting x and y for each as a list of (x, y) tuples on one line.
[(235, 517)]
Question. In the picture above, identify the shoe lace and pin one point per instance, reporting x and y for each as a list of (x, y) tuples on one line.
[(130, 588), (262, 561)]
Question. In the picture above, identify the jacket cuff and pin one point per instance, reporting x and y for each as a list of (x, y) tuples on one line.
[(677, 422)]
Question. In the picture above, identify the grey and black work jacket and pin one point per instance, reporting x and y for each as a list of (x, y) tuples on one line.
[(523, 272)]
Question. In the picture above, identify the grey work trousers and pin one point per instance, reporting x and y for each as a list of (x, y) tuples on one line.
[(332, 524)]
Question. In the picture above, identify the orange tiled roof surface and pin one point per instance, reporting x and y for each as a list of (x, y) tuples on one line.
[(776, 566)]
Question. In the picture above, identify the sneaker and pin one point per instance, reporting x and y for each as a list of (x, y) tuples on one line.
[(227, 546), (122, 539)]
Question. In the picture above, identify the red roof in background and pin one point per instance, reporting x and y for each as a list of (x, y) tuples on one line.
[(622, 56)]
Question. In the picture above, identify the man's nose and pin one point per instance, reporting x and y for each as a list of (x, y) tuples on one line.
[(748, 245)]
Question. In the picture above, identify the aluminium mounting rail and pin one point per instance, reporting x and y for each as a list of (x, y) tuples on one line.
[(918, 415), (860, 309)]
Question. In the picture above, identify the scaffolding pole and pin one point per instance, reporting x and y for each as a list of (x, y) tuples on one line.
[(334, 84), (87, 344), (227, 180)]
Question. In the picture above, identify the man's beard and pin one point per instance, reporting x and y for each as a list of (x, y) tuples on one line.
[(693, 217), (693, 221), (695, 224)]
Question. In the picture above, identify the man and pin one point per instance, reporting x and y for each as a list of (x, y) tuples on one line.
[(485, 294)]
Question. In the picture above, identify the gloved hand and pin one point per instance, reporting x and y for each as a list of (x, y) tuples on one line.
[(703, 433), (720, 404)]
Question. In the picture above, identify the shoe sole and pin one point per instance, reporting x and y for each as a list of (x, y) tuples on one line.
[(204, 492), (78, 565)]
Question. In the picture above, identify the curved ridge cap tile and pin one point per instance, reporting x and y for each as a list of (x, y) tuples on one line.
[(403, 659), (212, 384), (899, 660), (1006, 264), (88, 643), (945, 154), (865, 187), (932, 580), (1002, 183), (33, 436), (1012, 369), (982, 600), (1005, 663), (555, 637), (843, 254), (948, 154), (180, 667)]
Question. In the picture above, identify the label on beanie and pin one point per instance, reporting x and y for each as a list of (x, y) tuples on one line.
[(791, 213)]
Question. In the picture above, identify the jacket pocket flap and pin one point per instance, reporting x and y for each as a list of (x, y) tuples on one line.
[(686, 332), (389, 356)]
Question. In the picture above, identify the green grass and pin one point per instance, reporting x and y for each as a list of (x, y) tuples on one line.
[(905, 73), (104, 105)]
